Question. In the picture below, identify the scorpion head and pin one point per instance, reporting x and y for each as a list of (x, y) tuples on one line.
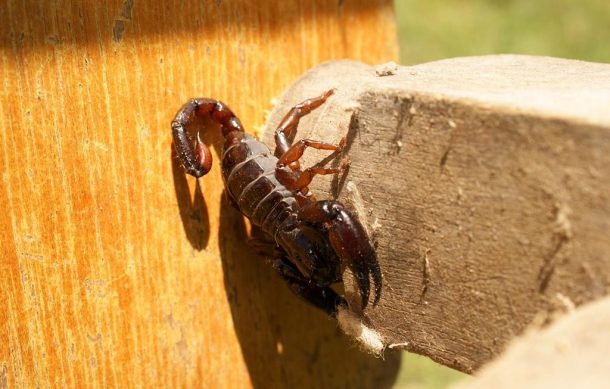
[(309, 249), (324, 239)]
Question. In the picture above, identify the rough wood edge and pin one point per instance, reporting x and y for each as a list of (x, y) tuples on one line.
[(418, 117), (572, 352)]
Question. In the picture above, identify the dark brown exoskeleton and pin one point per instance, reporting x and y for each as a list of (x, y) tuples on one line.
[(315, 239)]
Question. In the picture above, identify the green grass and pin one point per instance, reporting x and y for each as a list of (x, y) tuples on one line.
[(435, 29), (417, 372)]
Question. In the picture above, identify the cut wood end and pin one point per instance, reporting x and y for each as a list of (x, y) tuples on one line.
[(484, 184)]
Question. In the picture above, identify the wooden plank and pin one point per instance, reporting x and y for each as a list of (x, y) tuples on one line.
[(485, 183), (116, 269), (573, 352)]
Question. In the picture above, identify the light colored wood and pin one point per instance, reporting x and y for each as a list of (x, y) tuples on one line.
[(485, 183), (571, 353), (115, 270)]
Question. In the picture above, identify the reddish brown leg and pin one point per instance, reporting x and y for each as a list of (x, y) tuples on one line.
[(298, 181), (307, 176), (288, 178), (295, 152), (288, 168), (290, 122)]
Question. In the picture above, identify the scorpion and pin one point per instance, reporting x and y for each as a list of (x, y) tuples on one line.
[(313, 240)]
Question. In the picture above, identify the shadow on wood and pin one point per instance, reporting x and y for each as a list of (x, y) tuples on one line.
[(193, 213), (284, 341), (163, 17)]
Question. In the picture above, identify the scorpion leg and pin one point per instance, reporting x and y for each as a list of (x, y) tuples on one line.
[(301, 183), (324, 298), (290, 122), (288, 167), (295, 152), (197, 161), (298, 182), (349, 240)]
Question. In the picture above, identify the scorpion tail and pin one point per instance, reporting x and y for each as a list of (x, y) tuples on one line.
[(197, 161)]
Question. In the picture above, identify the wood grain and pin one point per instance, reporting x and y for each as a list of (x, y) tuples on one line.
[(485, 183), (573, 351), (116, 269)]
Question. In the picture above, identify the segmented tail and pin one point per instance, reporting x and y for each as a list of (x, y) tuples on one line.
[(197, 161)]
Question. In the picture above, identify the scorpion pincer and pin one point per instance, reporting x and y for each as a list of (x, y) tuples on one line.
[(314, 240)]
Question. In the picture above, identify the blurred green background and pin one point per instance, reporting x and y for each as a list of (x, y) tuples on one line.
[(435, 29)]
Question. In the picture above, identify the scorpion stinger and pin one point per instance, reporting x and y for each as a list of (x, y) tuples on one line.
[(315, 240)]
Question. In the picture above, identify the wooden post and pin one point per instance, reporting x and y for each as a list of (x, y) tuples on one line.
[(485, 183), (116, 269)]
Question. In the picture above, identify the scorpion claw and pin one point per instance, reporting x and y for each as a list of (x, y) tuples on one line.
[(348, 238), (364, 283), (364, 270), (350, 243)]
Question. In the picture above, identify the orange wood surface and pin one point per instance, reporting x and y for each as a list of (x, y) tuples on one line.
[(116, 269)]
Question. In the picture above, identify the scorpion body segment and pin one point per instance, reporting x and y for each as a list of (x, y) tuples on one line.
[(314, 240), (248, 170)]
